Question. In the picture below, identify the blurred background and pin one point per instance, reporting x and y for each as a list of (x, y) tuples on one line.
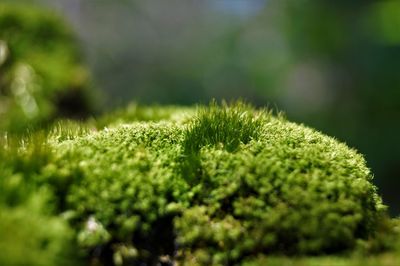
[(332, 65)]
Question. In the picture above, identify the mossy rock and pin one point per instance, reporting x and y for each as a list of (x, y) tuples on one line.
[(41, 73), (225, 185), (216, 185)]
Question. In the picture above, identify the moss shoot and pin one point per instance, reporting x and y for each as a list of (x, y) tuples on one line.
[(225, 185)]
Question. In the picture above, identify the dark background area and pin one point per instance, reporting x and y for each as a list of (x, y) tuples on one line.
[(333, 65)]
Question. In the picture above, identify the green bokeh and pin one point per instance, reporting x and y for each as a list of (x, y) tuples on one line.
[(41, 74)]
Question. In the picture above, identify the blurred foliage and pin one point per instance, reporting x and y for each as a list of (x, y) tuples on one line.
[(176, 52), (41, 74), (354, 47), (130, 197), (31, 232), (30, 236)]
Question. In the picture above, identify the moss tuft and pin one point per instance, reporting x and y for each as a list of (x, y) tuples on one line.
[(225, 125)]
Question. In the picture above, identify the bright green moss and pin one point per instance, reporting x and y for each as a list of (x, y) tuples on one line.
[(261, 185), (292, 191), (229, 185), (228, 126), (122, 189)]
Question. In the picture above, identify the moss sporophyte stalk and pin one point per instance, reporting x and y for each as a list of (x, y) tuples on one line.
[(212, 185)]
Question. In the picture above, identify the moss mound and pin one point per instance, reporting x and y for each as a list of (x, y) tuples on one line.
[(223, 185), (229, 184), (41, 75)]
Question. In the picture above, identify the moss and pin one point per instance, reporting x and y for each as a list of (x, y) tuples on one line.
[(229, 185), (31, 236), (122, 180), (263, 185), (41, 75), (227, 126), (31, 232), (291, 190)]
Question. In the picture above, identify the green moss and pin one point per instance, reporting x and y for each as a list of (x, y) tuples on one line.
[(228, 126), (226, 186), (291, 190), (30, 236), (122, 181), (31, 232), (263, 185), (41, 76)]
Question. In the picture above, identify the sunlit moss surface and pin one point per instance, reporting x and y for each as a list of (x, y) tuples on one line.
[(216, 185), (41, 73)]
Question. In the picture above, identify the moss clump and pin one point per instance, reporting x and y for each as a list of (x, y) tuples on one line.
[(124, 182), (226, 186), (288, 190), (258, 185), (32, 236), (227, 126), (31, 231), (41, 75)]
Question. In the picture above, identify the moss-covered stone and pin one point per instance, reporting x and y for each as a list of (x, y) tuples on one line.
[(259, 185), (227, 185)]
